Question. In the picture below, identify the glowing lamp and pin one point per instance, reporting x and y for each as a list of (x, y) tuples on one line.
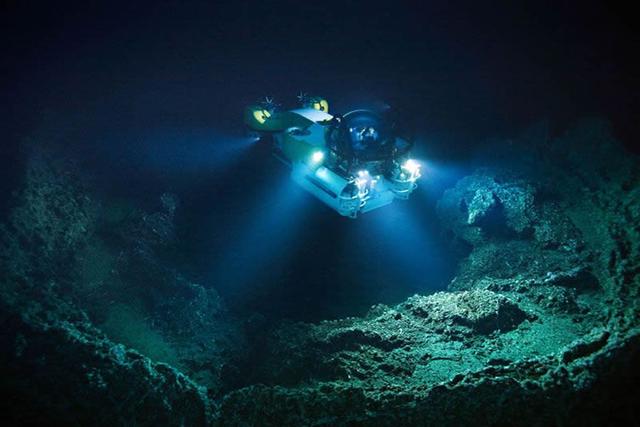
[(412, 169), (317, 156), (261, 115)]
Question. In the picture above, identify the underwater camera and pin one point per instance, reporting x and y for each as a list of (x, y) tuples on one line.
[(354, 163)]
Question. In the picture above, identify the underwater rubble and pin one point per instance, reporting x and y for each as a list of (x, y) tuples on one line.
[(540, 326)]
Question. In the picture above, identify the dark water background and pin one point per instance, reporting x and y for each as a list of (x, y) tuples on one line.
[(149, 97)]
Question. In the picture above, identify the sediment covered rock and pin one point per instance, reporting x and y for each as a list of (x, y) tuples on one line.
[(482, 311), (57, 363), (481, 206)]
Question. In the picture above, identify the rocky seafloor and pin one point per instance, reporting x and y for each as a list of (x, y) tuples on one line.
[(540, 326)]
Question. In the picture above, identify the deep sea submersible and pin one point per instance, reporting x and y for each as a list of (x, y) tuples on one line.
[(354, 162)]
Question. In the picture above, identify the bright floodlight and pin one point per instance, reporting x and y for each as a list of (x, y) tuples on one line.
[(363, 182), (412, 168), (317, 156)]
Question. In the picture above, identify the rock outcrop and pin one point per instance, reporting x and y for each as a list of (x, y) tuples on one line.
[(57, 365)]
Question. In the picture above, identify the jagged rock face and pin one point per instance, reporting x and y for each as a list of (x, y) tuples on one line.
[(537, 392), (54, 217), (56, 362), (382, 371), (399, 344), (115, 264), (481, 311), (479, 207)]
